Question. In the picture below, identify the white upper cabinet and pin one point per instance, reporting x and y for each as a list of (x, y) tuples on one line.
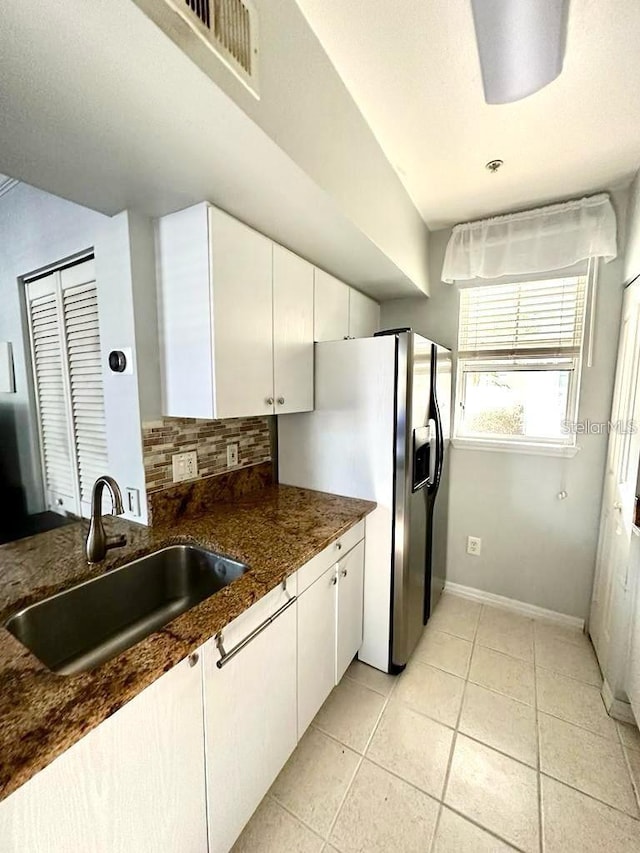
[(292, 332), (342, 312), (242, 318), (364, 315), (236, 319), (331, 300)]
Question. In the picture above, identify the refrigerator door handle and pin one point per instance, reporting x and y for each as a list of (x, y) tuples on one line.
[(439, 448), (433, 453)]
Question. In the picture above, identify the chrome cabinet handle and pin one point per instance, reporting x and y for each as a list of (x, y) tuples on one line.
[(334, 580), (193, 659), (339, 546), (281, 401), (343, 573), (226, 656), (269, 401)]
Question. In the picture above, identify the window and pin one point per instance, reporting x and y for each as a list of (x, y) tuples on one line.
[(519, 357), (62, 311)]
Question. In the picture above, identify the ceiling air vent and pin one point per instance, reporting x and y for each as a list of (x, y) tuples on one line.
[(230, 29)]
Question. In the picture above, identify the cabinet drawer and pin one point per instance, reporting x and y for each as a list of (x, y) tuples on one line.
[(311, 571), (252, 618)]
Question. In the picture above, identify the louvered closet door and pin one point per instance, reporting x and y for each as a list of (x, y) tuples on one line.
[(56, 440), (82, 331)]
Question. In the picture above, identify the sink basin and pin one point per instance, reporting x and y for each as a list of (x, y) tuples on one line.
[(88, 624)]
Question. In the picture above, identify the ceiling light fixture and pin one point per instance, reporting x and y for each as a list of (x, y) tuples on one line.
[(521, 45), (493, 165)]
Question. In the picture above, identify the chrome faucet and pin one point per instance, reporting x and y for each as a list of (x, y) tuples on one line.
[(97, 542)]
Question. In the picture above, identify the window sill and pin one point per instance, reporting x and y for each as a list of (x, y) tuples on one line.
[(527, 449)]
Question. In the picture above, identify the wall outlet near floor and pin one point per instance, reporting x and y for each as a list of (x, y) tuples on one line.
[(232, 455), (474, 545), (185, 466)]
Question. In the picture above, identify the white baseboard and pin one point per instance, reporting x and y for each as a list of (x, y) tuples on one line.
[(616, 708), (512, 604)]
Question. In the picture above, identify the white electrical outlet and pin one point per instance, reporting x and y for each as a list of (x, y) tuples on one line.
[(474, 545), (185, 466), (232, 455)]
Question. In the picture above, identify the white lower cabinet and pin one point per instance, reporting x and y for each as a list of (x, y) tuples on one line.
[(329, 628), (134, 784), (349, 608), (194, 754), (316, 646), (249, 714)]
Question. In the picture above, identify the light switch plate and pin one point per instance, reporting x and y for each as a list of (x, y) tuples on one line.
[(185, 466), (232, 455), (133, 501)]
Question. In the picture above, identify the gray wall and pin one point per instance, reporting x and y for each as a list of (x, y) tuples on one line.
[(535, 548)]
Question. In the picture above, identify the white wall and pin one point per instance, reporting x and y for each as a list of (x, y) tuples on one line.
[(307, 110), (535, 548), (632, 253), (86, 116), (126, 285), (37, 230)]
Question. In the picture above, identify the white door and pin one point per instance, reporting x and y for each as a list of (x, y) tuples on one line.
[(241, 280), (350, 607), (250, 716), (620, 479), (316, 646), (331, 301), (364, 315), (292, 332), (62, 309), (135, 784)]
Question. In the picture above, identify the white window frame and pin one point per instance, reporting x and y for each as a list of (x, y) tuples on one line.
[(561, 446)]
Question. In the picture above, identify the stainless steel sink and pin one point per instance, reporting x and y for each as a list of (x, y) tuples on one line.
[(88, 624)]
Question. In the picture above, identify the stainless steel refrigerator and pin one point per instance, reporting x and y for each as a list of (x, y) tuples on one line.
[(380, 431)]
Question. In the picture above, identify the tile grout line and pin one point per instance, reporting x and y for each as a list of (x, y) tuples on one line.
[(589, 796), (362, 756), (454, 738), (623, 746), (538, 751)]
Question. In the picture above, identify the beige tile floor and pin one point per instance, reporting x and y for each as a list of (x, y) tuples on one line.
[(494, 738)]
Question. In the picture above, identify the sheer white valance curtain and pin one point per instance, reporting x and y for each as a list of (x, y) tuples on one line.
[(535, 241)]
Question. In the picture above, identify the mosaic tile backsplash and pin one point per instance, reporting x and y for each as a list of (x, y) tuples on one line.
[(161, 439)]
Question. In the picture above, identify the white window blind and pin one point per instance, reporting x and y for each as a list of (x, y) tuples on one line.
[(523, 319), (65, 339)]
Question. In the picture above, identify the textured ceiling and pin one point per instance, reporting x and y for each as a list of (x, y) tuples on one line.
[(412, 67)]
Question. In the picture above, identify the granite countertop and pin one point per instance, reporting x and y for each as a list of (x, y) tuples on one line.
[(274, 531)]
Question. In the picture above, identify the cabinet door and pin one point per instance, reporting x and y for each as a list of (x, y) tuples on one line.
[(135, 783), (241, 281), (316, 646), (331, 301), (250, 717), (350, 606), (364, 315), (292, 332)]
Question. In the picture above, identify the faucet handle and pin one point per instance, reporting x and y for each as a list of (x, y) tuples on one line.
[(117, 541)]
